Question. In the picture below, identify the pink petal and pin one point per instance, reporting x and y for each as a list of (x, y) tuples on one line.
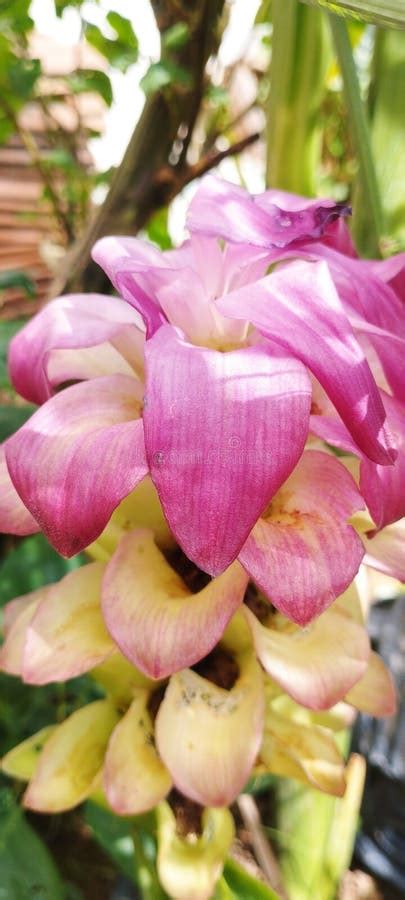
[(222, 432), (297, 306), (12, 651), (72, 322), (315, 666), (128, 263), (375, 692), (386, 551), (78, 457), (155, 620), (383, 487), (303, 554), (66, 636), (209, 737), (15, 518), (220, 208)]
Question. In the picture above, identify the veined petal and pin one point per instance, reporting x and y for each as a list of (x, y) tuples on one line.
[(306, 753), (220, 208), (375, 693), (190, 867), (198, 731), (71, 761), (72, 322), (11, 652), (155, 620), (297, 307), (15, 518), (78, 457), (222, 432), (22, 761), (135, 779), (66, 635), (317, 665), (383, 487), (302, 553), (385, 551)]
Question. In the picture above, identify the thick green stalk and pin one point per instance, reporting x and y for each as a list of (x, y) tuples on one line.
[(360, 134), (382, 12), (387, 141), (301, 53)]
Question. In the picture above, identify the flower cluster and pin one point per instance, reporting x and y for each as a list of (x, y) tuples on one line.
[(187, 438)]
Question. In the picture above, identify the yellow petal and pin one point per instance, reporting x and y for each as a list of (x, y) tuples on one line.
[(375, 693), (141, 509), (11, 653), (190, 867), (72, 759), (21, 761), (209, 737), (135, 779), (315, 665), (307, 753), (120, 678), (66, 635)]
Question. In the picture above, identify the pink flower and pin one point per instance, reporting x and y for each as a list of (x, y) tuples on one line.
[(222, 424)]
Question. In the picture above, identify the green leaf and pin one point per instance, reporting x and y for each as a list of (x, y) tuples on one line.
[(176, 36), (382, 12), (23, 74), (113, 834), (120, 54), (244, 885), (162, 74), (14, 278), (123, 29), (26, 866), (263, 13), (7, 331), (33, 563), (91, 80), (157, 229)]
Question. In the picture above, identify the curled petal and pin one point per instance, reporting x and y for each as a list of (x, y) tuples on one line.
[(73, 322), (303, 554), (66, 635), (198, 732), (22, 760), (135, 779), (190, 867), (155, 620), (78, 457), (297, 306), (15, 518), (306, 753), (383, 487), (375, 693), (268, 220), (317, 665), (71, 761), (222, 432)]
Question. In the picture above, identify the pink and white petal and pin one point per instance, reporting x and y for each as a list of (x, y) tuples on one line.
[(15, 518), (222, 432), (386, 551), (71, 762), (303, 554), (72, 322), (65, 366), (375, 693), (78, 457), (390, 349), (298, 308), (12, 651), (306, 753), (135, 779), (198, 731), (13, 608), (316, 666), (155, 620), (66, 635), (220, 208)]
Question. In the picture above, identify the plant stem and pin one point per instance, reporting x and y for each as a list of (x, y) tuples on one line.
[(382, 12)]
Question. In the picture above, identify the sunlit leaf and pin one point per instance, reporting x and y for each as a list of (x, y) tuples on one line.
[(382, 12)]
